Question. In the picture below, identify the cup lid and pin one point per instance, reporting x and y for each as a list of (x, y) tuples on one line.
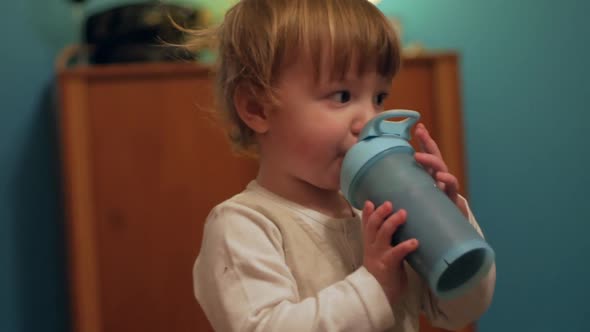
[(377, 136)]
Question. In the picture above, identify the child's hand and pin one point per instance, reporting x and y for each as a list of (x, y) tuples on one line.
[(431, 159), (382, 260)]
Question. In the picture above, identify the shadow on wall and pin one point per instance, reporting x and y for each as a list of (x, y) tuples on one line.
[(39, 239)]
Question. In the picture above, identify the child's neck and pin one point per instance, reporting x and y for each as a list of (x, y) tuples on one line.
[(325, 201)]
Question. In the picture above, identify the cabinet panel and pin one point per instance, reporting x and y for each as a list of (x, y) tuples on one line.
[(412, 89)]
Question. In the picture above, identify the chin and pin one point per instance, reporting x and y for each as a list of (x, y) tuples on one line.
[(328, 181), (333, 185)]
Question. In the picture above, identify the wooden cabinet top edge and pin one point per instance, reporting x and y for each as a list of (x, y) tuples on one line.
[(151, 69), (145, 69), (431, 56)]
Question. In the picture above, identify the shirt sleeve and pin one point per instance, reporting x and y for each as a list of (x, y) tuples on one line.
[(242, 283), (457, 313)]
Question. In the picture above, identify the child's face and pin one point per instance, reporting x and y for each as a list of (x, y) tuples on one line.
[(318, 122)]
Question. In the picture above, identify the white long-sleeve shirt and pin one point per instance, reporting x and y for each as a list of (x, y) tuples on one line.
[(268, 264)]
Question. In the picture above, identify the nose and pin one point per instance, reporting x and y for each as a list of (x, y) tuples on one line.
[(364, 115)]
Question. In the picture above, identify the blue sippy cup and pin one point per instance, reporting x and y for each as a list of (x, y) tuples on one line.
[(380, 167)]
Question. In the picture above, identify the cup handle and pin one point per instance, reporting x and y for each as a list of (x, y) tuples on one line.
[(379, 127)]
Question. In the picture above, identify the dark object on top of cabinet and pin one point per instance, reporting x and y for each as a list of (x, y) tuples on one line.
[(138, 33)]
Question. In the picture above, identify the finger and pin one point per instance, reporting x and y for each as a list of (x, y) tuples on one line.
[(426, 141), (451, 183), (434, 162), (376, 219), (389, 228), (397, 254), (433, 165), (368, 210), (419, 132)]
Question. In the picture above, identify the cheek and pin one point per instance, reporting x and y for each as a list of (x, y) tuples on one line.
[(305, 147), (317, 145), (314, 139)]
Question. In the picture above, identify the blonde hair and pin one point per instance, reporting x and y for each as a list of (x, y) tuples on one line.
[(258, 37)]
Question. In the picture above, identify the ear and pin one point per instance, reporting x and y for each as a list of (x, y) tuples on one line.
[(253, 112)]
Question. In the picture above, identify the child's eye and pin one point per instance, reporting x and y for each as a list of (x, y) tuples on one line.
[(342, 97), (380, 98)]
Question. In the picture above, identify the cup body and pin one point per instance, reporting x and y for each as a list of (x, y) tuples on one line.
[(451, 255)]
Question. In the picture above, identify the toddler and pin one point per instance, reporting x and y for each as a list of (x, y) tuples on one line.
[(296, 81)]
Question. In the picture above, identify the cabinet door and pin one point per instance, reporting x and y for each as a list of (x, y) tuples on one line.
[(159, 165), (413, 89), (169, 164)]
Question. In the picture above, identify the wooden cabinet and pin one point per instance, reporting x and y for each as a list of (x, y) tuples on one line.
[(144, 163)]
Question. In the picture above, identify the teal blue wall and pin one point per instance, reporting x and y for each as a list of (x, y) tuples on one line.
[(32, 279), (526, 82), (525, 79)]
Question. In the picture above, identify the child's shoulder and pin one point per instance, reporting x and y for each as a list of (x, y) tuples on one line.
[(243, 213), (248, 205), (234, 203), (247, 199)]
